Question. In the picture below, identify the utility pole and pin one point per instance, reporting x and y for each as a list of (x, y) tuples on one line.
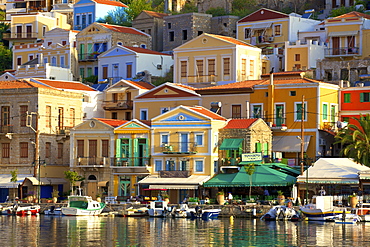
[(302, 135)]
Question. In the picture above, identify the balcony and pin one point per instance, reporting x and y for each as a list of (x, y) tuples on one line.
[(80, 27), (230, 161), (180, 148), (5, 129), (342, 51), (63, 130), (15, 36), (130, 162), (92, 161), (328, 126), (118, 105), (88, 57)]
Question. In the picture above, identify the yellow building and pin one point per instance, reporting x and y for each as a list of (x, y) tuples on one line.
[(184, 151), (215, 60)]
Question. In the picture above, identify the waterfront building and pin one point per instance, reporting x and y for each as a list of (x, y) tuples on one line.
[(98, 38), (127, 62), (269, 30), (215, 60)]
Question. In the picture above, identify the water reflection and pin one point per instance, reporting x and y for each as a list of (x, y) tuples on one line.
[(108, 231)]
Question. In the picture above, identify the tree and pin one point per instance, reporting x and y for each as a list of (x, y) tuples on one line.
[(135, 7), (5, 58), (355, 139), (243, 8), (250, 169), (73, 177), (344, 10), (14, 179), (116, 17)]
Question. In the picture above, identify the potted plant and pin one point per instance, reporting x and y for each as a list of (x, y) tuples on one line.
[(280, 197), (193, 201), (166, 198), (55, 195), (221, 197), (353, 200)]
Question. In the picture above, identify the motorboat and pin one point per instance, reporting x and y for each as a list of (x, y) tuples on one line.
[(82, 205), (322, 210), (346, 219), (159, 208), (53, 211), (182, 212), (24, 210), (281, 212), (205, 213), (134, 212)]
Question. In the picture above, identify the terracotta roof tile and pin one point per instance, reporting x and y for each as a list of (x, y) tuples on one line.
[(206, 112), (185, 86), (113, 3), (146, 51), (112, 122), (352, 14), (142, 84), (291, 81), (20, 84), (235, 85), (122, 29), (240, 123), (155, 14), (66, 85), (230, 40)]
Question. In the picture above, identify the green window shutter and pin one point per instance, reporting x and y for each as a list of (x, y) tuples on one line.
[(347, 98), (118, 148), (258, 147), (265, 149), (325, 112), (146, 147), (361, 97), (136, 147), (299, 111)]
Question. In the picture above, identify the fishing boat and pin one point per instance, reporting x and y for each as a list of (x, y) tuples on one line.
[(281, 212), (323, 210), (24, 210), (159, 209), (82, 205)]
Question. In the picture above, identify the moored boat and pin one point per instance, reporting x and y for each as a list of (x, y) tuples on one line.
[(82, 205), (281, 212), (158, 209), (24, 210), (53, 211), (134, 212), (205, 213), (323, 209), (182, 212)]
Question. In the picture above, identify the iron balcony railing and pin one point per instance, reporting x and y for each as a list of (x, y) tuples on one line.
[(132, 161), (63, 130), (9, 36), (342, 51), (92, 56), (92, 161), (118, 105), (179, 148)]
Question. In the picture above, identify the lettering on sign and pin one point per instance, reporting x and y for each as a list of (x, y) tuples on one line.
[(251, 157)]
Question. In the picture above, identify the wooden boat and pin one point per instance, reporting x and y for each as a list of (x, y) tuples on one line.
[(24, 210), (323, 209), (82, 205), (281, 212), (134, 212), (159, 209)]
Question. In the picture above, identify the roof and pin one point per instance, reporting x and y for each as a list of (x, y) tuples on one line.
[(206, 112), (142, 84), (112, 122), (352, 14), (234, 85), (230, 40), (155, 14), (122, 29), (146, 51), (240, 123), (100, 86), (20, 84), (291, 81), (113, 3), (72, 85), (285, 73), (263, 14)]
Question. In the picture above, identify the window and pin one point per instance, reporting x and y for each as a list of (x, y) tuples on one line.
[(325, 111), (144, 114), (200, 33), (184, 34), (226, 62), (89, 72), (365, 97), (62, 62), (80, 148), (5, 115), (129, 70), (277, 30), (236, 111), (298, 111), (64, 42), (48, 116), (297, 57), (169, 25), (149, 31), (164, 109), (211, 67), (347, 98), (24, 149), (77, 20), (257, 111), (199, 71), (198, 138), (292, 93), (72, 116), (89, 18), (19, 60), (105, 148), (23, 115), (5, 150), (183, 65), (164, 139), (47, 149), (60, 117), (105, 72), (199, 167), (93, 148), (333, 113), (158, 165), (247, 33), (244, 66), (171, 36), (82, 73), (60, 150)]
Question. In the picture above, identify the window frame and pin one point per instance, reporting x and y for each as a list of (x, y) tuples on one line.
[(142, 110), (325, 115), (346, 97), (296, 111), (201, 134), (158, 166), (196, 166)]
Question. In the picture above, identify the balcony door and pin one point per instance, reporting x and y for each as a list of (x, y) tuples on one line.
[(29, 31), (184, 142), (279, 118), (19, 31), (336, 45)]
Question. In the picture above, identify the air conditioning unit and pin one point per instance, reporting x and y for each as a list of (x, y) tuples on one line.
[(322, 142), (159, 66), (270, 39)]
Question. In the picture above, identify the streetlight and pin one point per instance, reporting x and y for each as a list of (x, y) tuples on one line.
[(39, 162)]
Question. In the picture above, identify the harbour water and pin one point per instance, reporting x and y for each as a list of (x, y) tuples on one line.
[(43, 230)]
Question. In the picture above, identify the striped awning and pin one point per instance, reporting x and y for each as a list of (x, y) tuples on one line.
[(173, 187), (343, 33)]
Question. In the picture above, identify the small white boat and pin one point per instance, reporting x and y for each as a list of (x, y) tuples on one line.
[(323, 209), (348, 219), (281, 212), (183, 212), (205, 213), (82, 205), (159, 209), (53, 211), (134, 212)]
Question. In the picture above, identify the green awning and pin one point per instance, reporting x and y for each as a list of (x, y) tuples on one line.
[(231, 144), (286, 169), (264, 175)]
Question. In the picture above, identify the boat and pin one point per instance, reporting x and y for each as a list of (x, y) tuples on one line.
[(205, 213), (24, 210), (182, 212), (53, 211), (134, 212), (347, 219), (82, 205), (159, 209), (323, 209), (281, 212)]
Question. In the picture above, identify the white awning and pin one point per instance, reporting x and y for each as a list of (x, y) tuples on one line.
[(344, 33), (261, 26), (47, 181), (191, 182), (290, 144), (174, 187), (103, 183), (5, 180), (117, 90)]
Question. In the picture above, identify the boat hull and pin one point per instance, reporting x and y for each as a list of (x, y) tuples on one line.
[(320, 215), (69, 211), (23, 211)]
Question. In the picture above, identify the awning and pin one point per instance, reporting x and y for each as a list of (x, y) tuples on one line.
[(289, 144), (5, 180), (117, 90), (103, 184), (286, 169), (46, 181), (263, 175), (343, 33), (231, 144), (174, 187), (261, 25)]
